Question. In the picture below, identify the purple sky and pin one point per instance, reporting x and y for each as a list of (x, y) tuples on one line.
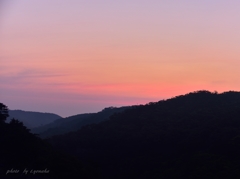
[(71, 57)]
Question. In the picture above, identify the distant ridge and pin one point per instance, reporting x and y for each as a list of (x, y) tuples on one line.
[(32, 119), (76, 122)]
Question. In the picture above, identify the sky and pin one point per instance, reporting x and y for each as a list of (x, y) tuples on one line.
[(80, 56)]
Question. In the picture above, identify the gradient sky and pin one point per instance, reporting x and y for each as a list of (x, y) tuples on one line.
[(77, 56)]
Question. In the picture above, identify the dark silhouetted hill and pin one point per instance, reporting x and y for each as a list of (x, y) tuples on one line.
[(22, 151), (32, 119), (192, 136), (74, 123)]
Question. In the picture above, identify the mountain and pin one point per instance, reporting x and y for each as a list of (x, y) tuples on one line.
[(196, 135), (76, 122), (25, 156), (32, 119)]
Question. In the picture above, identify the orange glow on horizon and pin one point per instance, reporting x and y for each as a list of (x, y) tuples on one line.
[(95, 54)]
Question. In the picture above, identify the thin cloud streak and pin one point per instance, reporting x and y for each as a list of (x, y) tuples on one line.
[(28, 74)]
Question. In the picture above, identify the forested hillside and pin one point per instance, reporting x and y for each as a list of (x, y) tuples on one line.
[(25, 156), (191, 136), (195, 136), (74, 123)]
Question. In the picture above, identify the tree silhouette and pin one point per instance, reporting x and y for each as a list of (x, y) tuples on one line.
[(3, 112), (21, 150)]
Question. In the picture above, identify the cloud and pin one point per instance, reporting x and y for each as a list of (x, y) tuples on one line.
[(36, 73), (27, 75)]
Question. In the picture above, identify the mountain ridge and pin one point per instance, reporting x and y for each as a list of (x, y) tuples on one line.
[(188, 136), (76, 122), (32, 119)]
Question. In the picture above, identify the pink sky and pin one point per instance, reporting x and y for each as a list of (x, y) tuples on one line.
[(77, 56)]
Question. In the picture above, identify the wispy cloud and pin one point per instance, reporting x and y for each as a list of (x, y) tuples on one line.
[(28, 75), (36, 73)]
